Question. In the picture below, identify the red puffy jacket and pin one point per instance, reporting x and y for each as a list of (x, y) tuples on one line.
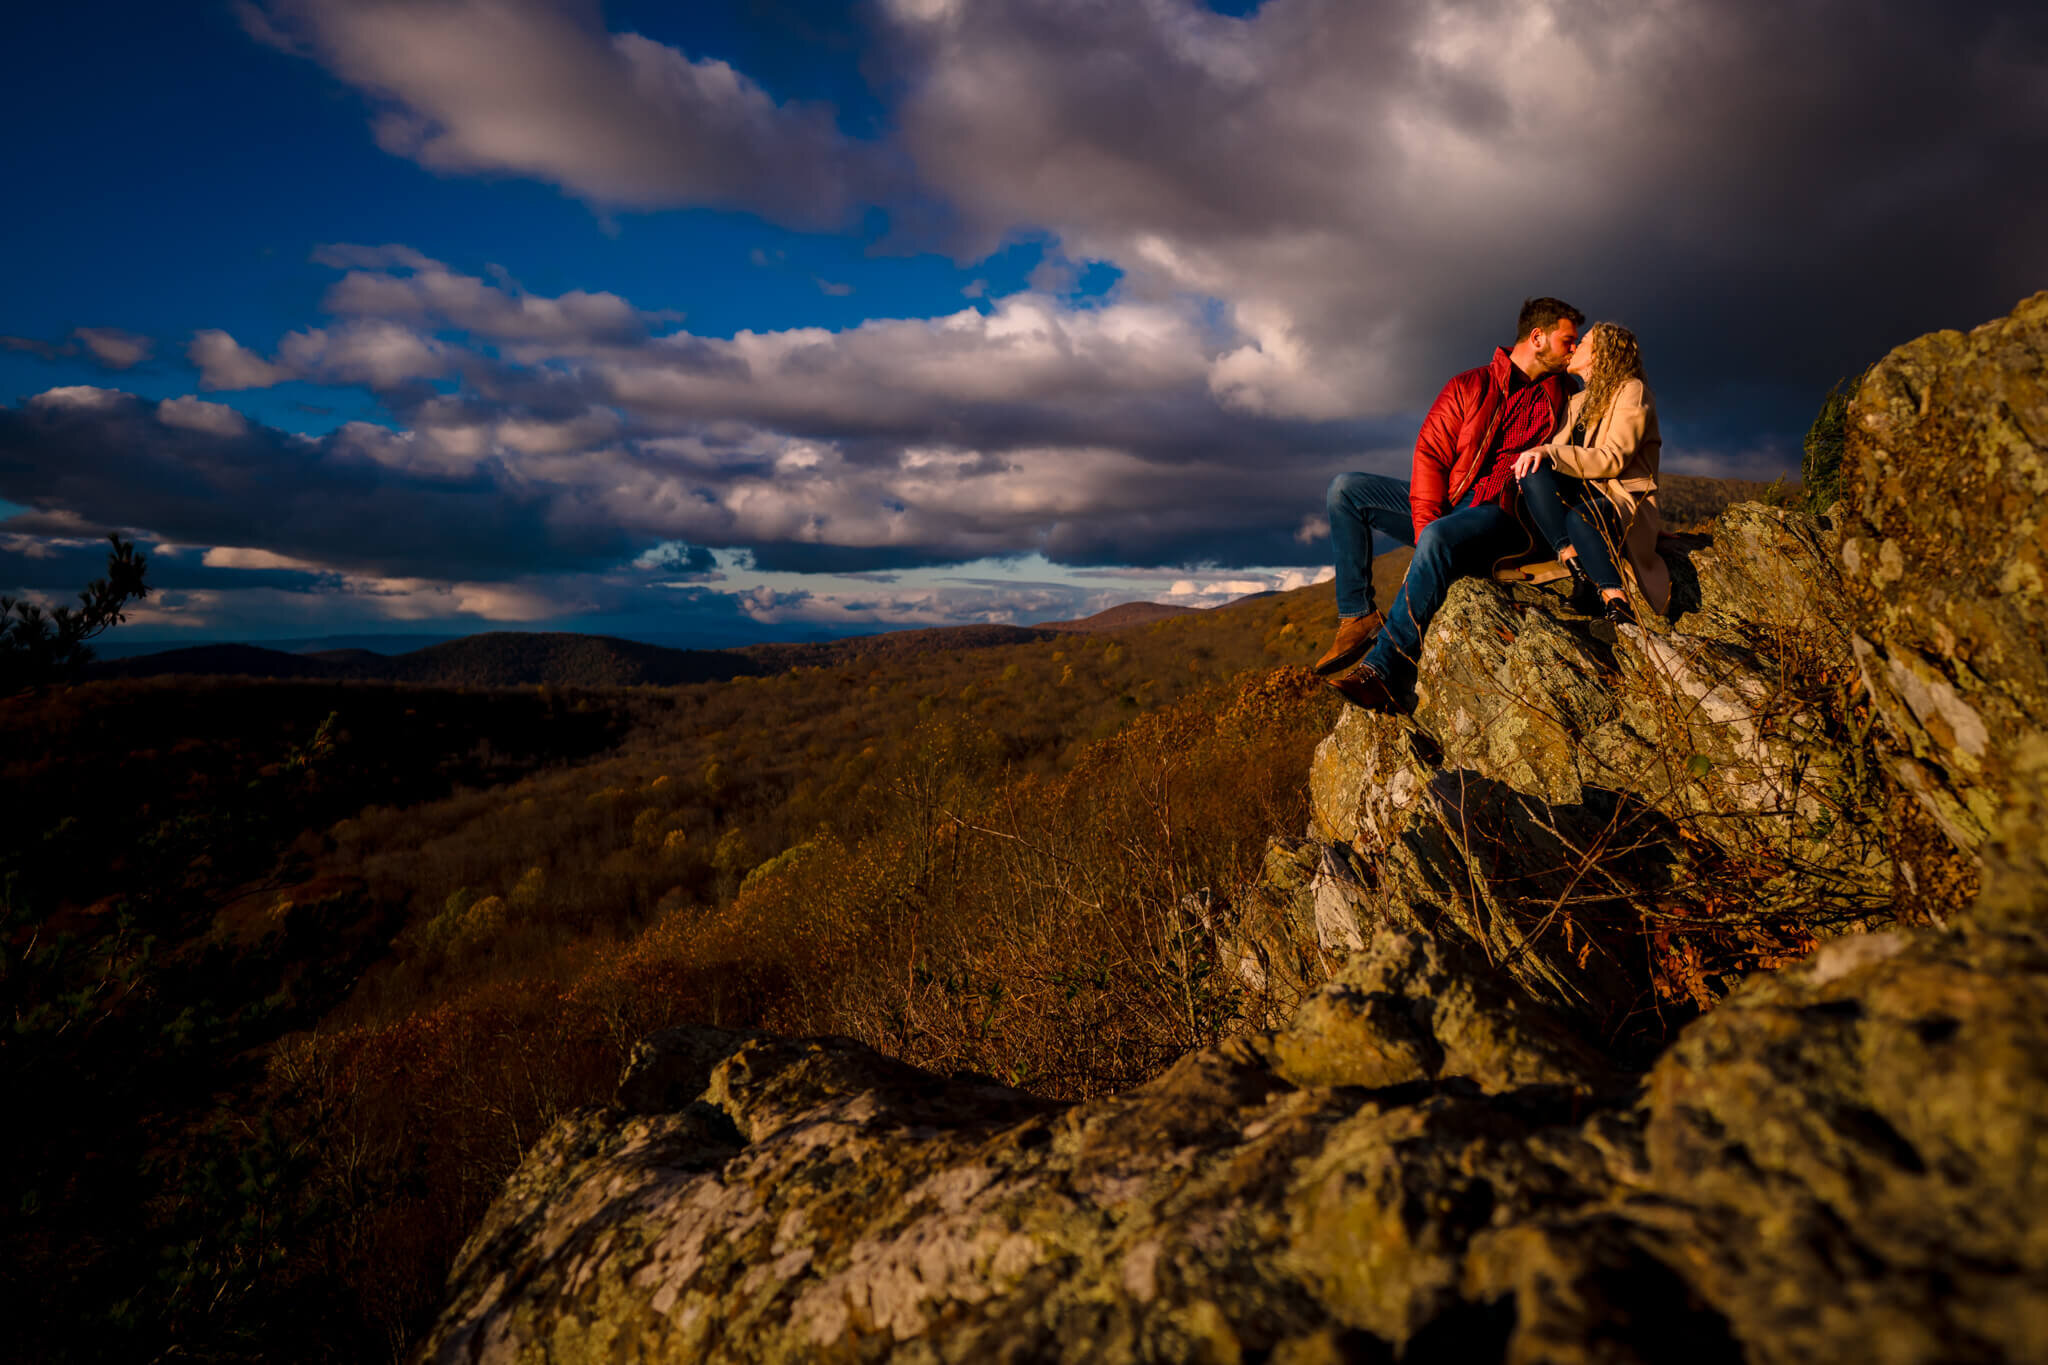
[(1450, 452)]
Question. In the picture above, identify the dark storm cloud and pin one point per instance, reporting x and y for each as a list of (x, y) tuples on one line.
[(1771, 195), (674, 560), (361, 500), (108, 348), (474, 494), (60, 568), (1089, 434)]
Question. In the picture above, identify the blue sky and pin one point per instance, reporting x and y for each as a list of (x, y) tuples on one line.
[(724, 322)]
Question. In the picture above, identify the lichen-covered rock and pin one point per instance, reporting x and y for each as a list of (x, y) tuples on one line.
[(1406, 1010), (1770, 574), (1852, 1154), (1559, 781), (1269, 940), (1842, 1162), (1548, 894), (1367, 778), (817, 1200), (1945, 557), (1743, 752), (1512, 692)]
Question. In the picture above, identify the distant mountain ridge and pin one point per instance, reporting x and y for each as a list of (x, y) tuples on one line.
[(493, 659), (566, 659), (556, 658), (1120, 618)]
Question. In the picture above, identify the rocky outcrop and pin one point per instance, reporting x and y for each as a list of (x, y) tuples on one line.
[(1620, 1024), (1842, 1162), (1945, 547), (1560, 784)]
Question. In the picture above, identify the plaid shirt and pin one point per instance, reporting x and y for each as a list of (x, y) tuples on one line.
[(1526, 422)]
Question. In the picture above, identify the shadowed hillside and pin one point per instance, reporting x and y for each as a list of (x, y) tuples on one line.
[(555, 658), (493, 659), (291, 928)]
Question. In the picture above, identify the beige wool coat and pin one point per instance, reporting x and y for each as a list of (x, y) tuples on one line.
[(1619, 456)]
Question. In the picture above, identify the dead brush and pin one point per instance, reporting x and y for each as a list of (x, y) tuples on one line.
[(965, 917), (1750, 827), (1049, 947)]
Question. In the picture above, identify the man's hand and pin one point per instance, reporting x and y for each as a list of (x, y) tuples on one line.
[(1529, 461)]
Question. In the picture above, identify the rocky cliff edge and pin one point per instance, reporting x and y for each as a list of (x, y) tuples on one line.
[(1639, 1003)]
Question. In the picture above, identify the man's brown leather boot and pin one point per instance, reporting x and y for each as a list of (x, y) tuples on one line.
[(1364, 687), (1355, 635)]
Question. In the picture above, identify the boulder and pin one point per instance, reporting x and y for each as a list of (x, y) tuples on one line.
[(1303, 1192), (1513, 691), (1269, 939), (1842, 1162), (1560, 784), (1944, 548), (1407, 1009), (1367, 778), (1770, 575), (1849, 1156)]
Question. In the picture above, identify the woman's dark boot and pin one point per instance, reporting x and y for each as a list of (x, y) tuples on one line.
[(1585, 596), (1617, 611)]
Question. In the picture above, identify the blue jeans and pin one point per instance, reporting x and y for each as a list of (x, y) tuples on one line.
[(1569, 511), (1359, 505), (1465, 540)]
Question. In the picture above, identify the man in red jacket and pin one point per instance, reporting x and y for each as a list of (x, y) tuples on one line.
[(1457, 510)]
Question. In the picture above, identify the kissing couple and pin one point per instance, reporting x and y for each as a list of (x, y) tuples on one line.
[(1508, 458)]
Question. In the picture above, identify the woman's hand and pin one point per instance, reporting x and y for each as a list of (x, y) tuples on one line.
[(1529, 461)]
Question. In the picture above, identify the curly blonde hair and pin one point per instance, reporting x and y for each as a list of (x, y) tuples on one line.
[(1616, 360)]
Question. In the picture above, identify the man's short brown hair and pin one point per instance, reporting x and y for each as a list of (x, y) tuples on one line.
[(1544, 314)]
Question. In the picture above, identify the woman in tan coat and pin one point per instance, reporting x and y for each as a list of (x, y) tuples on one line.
[(1592, 489)]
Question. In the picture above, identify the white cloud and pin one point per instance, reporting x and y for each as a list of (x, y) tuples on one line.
[(186, 610), (33, 547), (375, 353), (1302, 578), (241, 557), (421, 599), (78, 396), (114, 348), (539, 89), (196, 414), (397, 283), (1028, 348), (503, 602), (225, 363), (939, 605), (1221, 586)]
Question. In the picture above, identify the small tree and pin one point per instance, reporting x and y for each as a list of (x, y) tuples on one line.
[(1821, 470), (38, 647)]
